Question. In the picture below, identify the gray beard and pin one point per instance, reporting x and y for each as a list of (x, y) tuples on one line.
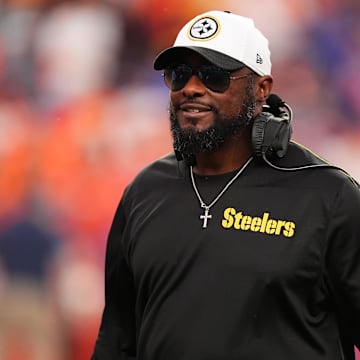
[(189, 141)]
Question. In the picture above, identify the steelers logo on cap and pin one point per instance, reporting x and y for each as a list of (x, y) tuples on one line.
[(204, 29)]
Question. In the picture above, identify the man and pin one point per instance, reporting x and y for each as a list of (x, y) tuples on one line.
[(240, 245)]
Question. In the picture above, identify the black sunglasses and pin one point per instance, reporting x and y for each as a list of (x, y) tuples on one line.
[(213, 77)]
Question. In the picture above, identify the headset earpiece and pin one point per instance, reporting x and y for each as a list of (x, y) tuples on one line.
[(271, 129), (270, 135)]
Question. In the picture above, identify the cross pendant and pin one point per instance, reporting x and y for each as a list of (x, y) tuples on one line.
[(205, 217)]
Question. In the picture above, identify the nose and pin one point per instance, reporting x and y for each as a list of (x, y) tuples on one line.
[(194, 87)]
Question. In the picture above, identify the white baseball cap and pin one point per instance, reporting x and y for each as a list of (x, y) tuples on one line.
[(225, 39)]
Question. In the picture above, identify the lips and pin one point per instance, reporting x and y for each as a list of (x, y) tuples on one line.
[(195, 108), (195, 115)]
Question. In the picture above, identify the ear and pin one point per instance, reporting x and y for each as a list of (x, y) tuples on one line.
[(263, 87)]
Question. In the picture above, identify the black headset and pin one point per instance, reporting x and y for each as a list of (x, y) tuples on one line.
[(271, 129), (270, 136)]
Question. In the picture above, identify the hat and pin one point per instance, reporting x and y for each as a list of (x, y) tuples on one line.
[(227, 40)]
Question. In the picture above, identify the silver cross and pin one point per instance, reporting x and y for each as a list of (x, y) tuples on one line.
[(205, 217)]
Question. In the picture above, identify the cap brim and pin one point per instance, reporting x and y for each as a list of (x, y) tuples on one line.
[(171, 55)]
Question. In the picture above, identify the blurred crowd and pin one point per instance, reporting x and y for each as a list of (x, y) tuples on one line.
[(82, 111)]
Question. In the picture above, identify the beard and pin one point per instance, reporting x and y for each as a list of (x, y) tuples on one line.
[(189, 141)]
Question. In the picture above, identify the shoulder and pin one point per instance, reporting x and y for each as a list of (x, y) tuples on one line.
[(160, 170), (304, 170), (299, 155), (303, 160), (159, 174)]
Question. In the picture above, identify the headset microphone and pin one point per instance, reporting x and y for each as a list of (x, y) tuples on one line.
[(274, 103)]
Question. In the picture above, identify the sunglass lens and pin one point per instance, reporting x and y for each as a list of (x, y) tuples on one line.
[(214, 78), (177, 77)]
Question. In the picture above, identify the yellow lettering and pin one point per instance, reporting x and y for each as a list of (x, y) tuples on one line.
[(228, 220), (263, 222), (289, 229), (246, 222), (239, 221), (255, 224), (279, 226), (271, 227), (238, 217)]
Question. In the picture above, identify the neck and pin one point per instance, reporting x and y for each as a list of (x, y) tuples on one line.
[(229, 157)]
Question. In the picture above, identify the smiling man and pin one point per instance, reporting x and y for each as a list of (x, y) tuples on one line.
[(241, 244), (231, 68)]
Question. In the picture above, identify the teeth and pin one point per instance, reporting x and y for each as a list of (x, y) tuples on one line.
[(194, 110)]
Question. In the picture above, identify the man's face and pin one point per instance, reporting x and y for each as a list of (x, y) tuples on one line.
[(201, 119)]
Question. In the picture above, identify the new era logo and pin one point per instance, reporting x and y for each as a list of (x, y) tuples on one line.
[(259, 59)]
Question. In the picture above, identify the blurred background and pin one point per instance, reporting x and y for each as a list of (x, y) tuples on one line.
[(82, 111)]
